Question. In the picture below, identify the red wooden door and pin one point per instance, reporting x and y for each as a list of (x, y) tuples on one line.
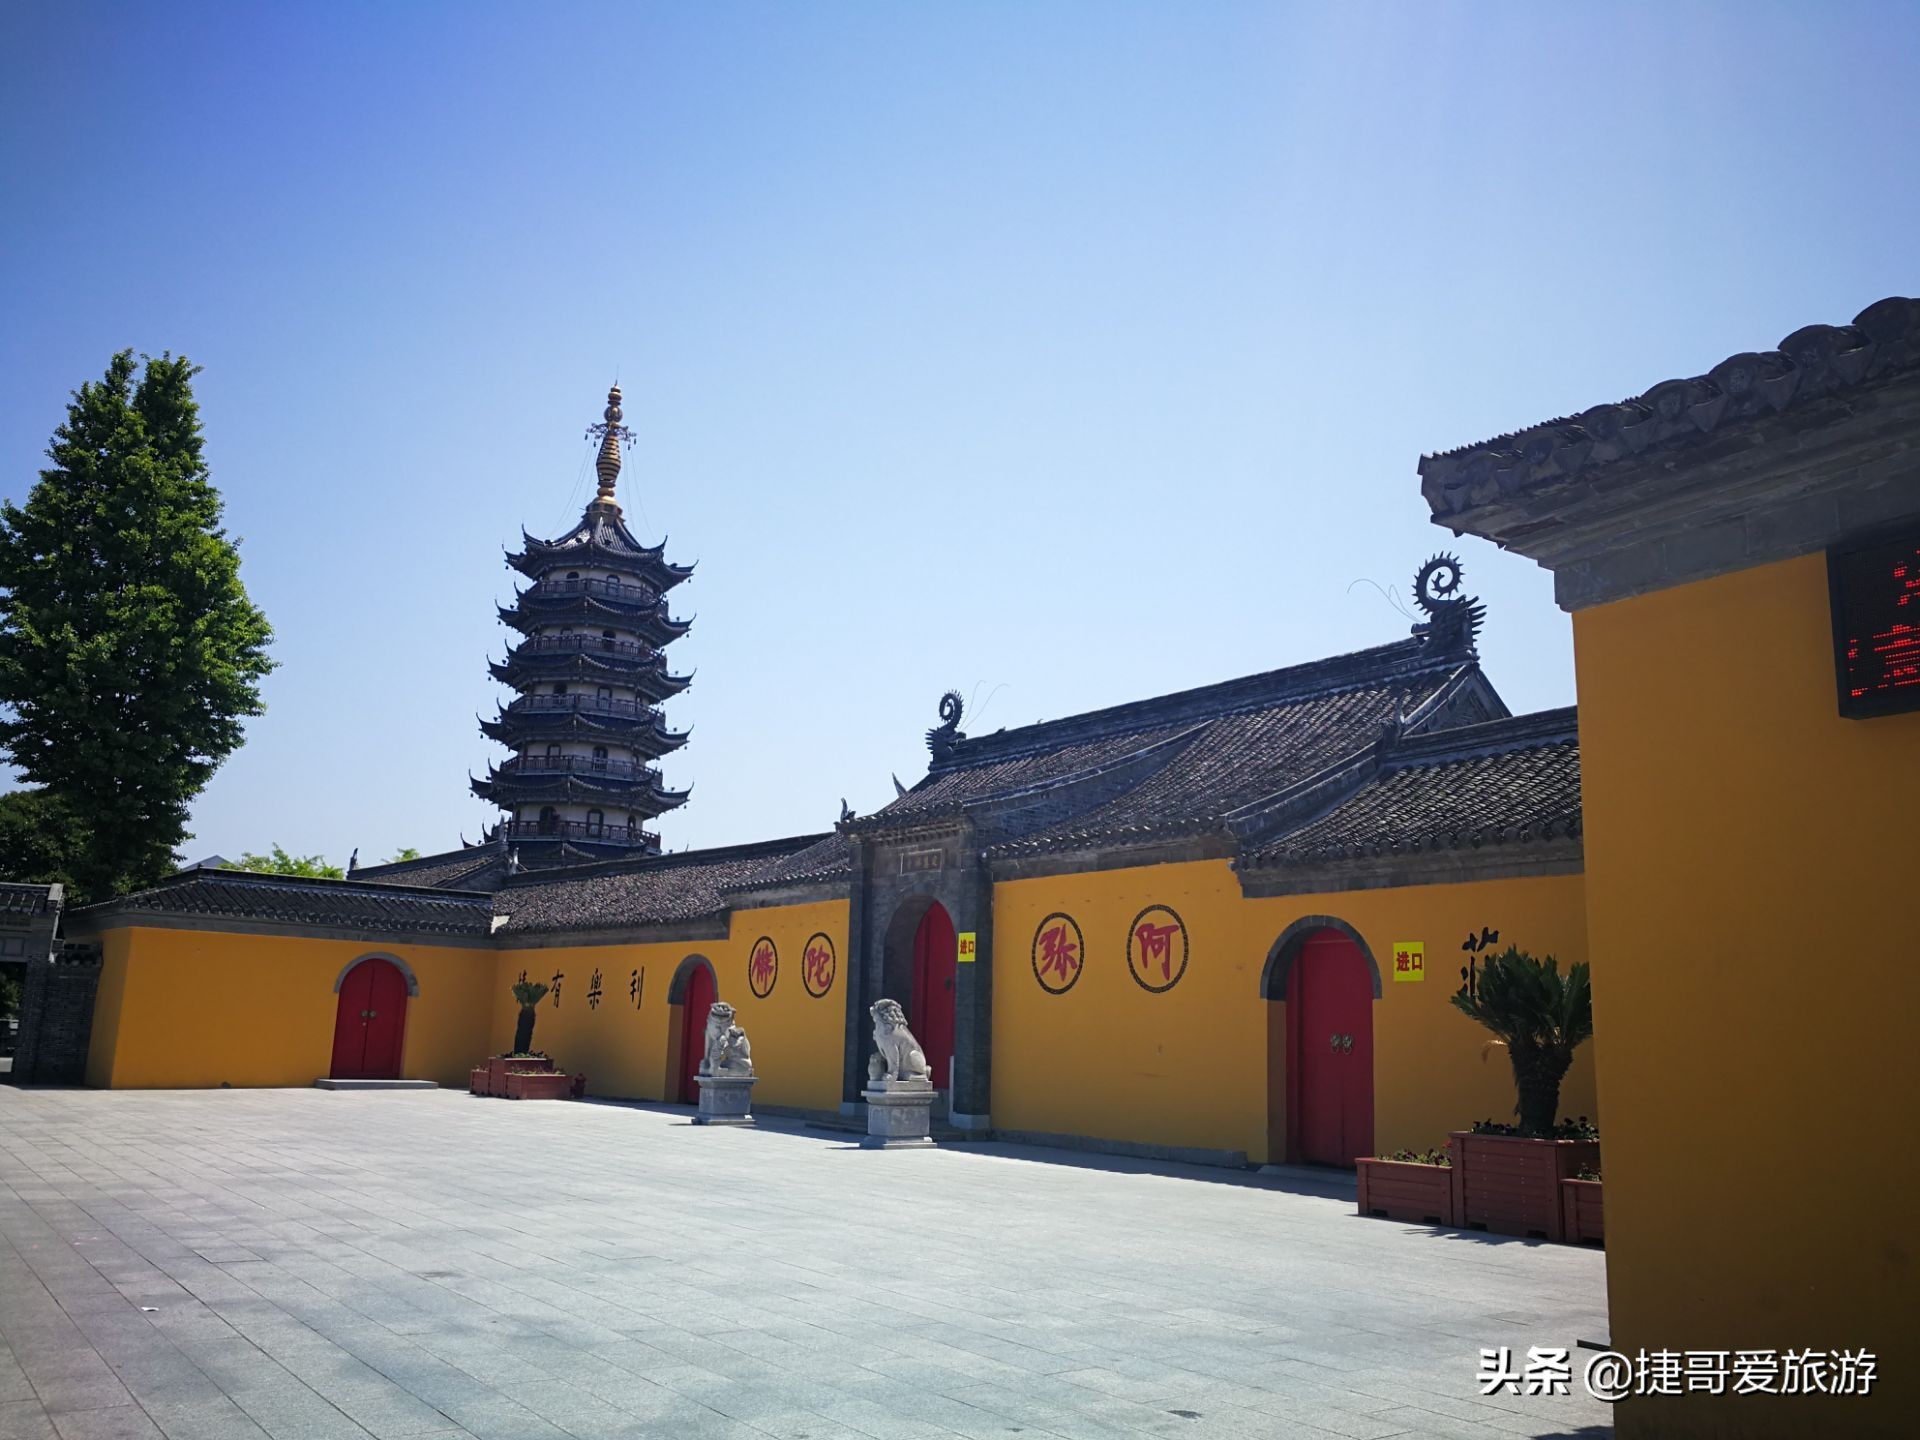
[(370, 1023), (693, 1030), (1330, 1051), (935, 961)]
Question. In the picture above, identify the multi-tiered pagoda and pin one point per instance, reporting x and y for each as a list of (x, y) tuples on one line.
[(590, 672)]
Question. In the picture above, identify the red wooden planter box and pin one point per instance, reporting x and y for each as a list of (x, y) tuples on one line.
[(539, 1085), (1404, 1190), (1581, 1212), (498, 1065), (1510, 1184), (491, 1078)]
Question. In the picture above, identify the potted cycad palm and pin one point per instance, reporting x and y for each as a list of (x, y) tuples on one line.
[(527, 994), (524, 1073), (1507, 1178)]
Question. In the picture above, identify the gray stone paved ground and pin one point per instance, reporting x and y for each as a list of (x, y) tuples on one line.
[(314, 1266)]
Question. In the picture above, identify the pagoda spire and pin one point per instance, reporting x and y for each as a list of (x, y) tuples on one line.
[(589, 673), (612, 435)]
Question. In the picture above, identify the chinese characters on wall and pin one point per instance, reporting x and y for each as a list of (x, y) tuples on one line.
[(763, 967), (1157, 948), (818, 965), (1058, 953), (1471, 947)]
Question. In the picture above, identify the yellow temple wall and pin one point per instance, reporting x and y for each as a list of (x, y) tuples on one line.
[(201, 1009), (1202, 1065), (1751, 875), (627, 1049)]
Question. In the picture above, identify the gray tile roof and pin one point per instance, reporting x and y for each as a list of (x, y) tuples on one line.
[(471, 867), (1883, 341), (1182, 762), (296, 900), (830, 858), (1237, 760), (654, 890), (950, 790), (1507, 782), (17, 899)]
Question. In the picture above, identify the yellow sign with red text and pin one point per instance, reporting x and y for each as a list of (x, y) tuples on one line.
[(967, 946), (1409, 960)]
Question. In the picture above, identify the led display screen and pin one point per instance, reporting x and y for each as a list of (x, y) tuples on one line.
[(1875, 587)]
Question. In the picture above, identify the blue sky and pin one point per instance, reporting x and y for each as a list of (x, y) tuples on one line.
[(1058, 353)]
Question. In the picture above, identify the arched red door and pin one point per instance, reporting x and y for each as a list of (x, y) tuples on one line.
[(370, 1023), (700, 996), (935, 968), (1330, 1051)]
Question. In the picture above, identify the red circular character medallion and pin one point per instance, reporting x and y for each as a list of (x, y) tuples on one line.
[(1157, 948), (763, 967), (818, 965), (1059, 953)]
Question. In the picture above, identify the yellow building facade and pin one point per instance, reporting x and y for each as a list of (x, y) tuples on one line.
[(1204, 1065), (1741, 554), (1017, 903)]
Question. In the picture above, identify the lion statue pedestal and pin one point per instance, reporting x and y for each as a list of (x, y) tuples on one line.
[(725, 1077), (899, 1095)]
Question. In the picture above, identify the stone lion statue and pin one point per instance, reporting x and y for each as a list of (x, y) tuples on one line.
[(898, 1056), (727, 1050)]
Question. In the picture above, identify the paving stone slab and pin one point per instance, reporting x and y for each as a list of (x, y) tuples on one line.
[(401, 1266)]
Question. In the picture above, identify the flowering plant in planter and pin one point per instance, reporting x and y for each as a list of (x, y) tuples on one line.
[(1580, 1128), (1440, 1155), (1412, 1185), (1541, 1017)]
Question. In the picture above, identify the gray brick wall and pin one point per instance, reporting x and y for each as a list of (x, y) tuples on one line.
[(56, 1016)]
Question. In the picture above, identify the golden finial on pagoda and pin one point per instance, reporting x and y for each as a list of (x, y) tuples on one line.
[(612, 435)]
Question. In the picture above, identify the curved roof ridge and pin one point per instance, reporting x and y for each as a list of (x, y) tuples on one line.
[(1882, 341), (678, 859), (1486, 737), (1358, 669)]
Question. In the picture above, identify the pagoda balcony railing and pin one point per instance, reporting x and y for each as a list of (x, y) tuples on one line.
[(625, 592), (603, 832), (584, 645), (579, 765), (585, 704)]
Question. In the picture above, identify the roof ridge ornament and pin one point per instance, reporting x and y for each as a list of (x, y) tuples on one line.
[(942, 739), (1453, 619), (612, 435)]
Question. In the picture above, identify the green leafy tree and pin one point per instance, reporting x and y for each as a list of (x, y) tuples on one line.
[(1541, 1016), (279, 862), (41, 840), (129, 651), (405, 852), (528, 994), (9, 994)]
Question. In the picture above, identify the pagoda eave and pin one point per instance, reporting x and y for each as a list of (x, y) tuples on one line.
[(648, 564), (513, 791), (516, 730), (551, 607), (520, 669), (655, 626)]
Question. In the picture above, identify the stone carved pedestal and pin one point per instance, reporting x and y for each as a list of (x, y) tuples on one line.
[(899, 1115), (725, 1099)]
